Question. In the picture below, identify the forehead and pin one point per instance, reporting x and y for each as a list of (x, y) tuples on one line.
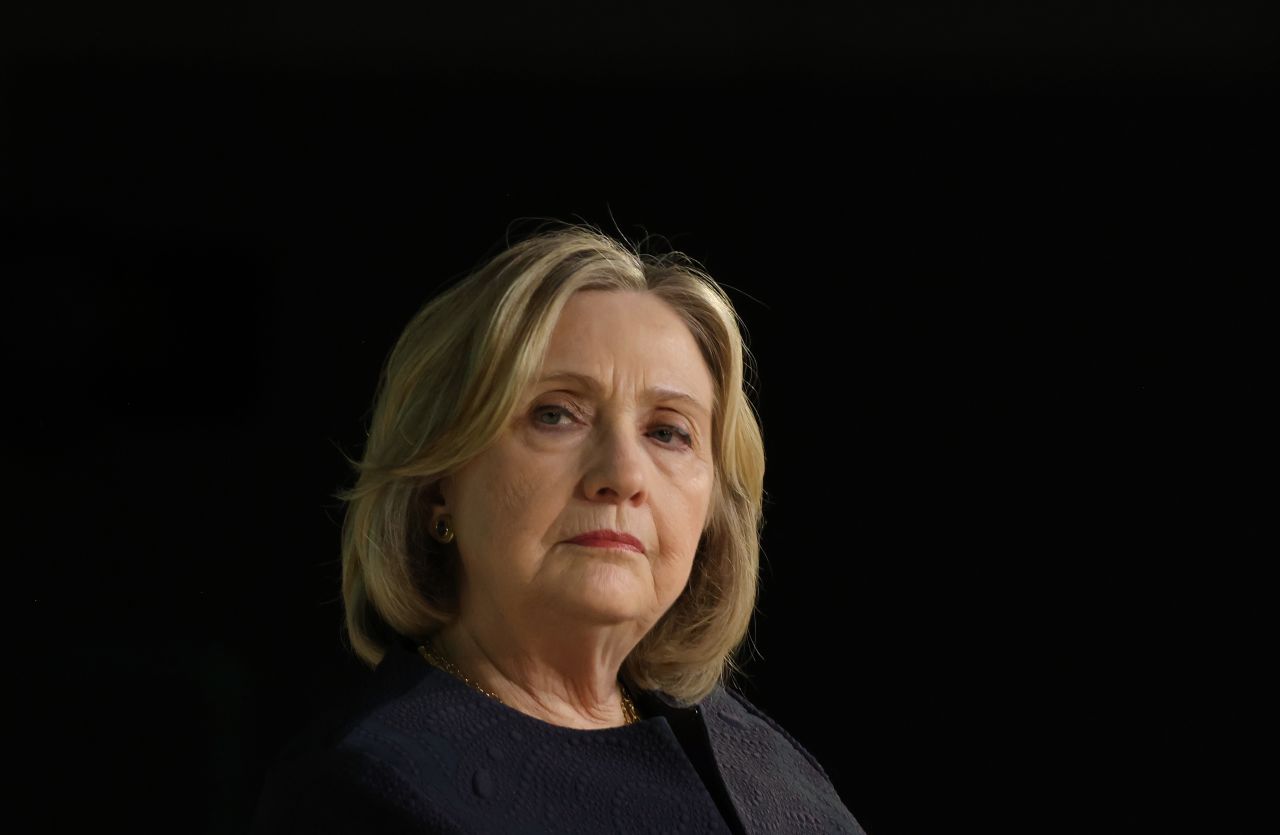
[(630, 337)]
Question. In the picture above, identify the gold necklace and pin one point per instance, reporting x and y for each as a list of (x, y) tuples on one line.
[(433, 657)]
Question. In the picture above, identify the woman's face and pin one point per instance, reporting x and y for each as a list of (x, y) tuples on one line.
[(616, 448)]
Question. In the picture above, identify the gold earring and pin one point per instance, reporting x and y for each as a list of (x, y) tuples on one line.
[(444, 533)]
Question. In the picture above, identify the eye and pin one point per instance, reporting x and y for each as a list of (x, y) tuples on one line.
[(550, 415), (554, 411), (679, 433)]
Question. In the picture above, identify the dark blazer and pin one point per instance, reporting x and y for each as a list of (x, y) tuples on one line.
[(420, 751)]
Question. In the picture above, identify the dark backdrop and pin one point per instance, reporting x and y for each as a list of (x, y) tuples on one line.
[(994, 261)]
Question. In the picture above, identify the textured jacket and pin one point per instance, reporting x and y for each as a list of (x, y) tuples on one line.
[(420, 751)]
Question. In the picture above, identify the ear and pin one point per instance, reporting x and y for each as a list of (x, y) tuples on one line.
[(436, 494)]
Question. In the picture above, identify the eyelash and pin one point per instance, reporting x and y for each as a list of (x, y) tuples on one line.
[(552, 407)]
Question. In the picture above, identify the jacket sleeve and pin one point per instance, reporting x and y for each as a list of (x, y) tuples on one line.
[(343, 792)]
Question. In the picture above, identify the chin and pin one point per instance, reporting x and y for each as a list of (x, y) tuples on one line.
[(604, 606)]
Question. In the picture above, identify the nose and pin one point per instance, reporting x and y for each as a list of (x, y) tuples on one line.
[(616, 466)]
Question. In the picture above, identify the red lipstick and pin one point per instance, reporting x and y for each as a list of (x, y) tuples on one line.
[(609, 539)]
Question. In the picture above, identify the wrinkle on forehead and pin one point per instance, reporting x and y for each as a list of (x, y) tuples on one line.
[(600, 327)]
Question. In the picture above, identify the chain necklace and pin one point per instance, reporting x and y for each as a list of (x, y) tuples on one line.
[(433, 657)]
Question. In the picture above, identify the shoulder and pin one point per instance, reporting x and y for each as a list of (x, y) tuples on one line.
[(342, 790), (357, 767), (739, 704), (761, 760)]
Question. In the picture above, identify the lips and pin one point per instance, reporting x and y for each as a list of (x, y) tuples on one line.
[(609, 539)]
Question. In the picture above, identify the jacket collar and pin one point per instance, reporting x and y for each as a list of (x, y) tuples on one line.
[(661, 703)]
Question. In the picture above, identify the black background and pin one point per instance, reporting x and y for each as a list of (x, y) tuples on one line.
[(997, 262)]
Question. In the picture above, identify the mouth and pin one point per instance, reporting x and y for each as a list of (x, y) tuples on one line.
[(609, 540)]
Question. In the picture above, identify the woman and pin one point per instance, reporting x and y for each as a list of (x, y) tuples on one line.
[(549, 560)]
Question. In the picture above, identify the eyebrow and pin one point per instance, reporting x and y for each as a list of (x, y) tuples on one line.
[(653, 393)]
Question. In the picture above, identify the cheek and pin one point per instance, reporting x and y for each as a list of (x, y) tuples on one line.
[(683, 518), (695, 497), (524, 498)]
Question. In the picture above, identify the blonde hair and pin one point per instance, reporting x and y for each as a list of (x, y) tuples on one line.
[(452, 383)]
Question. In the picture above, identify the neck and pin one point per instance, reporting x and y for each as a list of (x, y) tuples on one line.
[(550, 683)]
